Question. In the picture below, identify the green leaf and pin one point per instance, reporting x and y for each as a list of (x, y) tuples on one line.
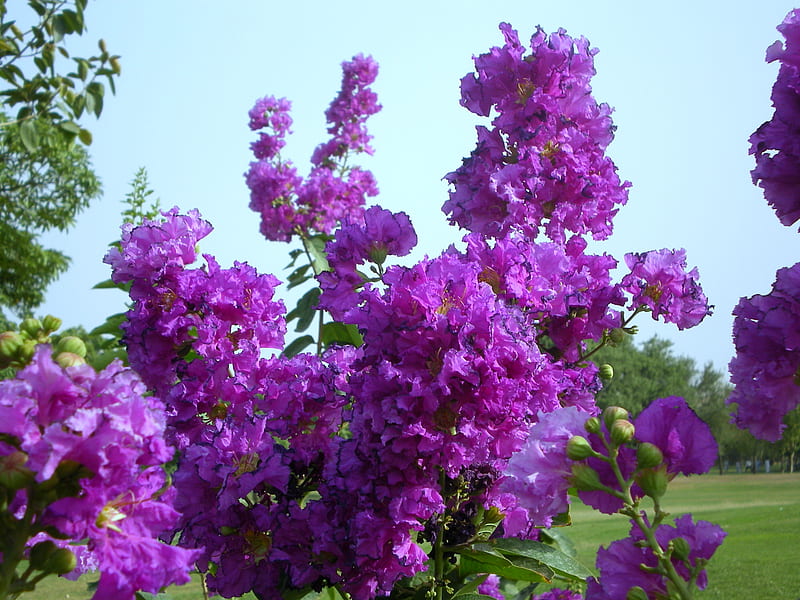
[(29, 135), (468, 588), (106, 285), (341, 333), (112, 325), (305, 312), (297, 346), (85, 136), (315, 246), (70, 127), (556, 560), (475, 597), (520, 568), (559, 540)]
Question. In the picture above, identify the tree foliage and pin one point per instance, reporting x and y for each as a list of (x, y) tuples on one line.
[(40, 190), (32, 67)]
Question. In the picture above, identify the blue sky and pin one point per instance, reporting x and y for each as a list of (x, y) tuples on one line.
[(687, 80)]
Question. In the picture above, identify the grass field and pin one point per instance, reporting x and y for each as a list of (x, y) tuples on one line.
[(760, 558)]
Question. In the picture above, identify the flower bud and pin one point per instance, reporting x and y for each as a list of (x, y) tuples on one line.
[(69, 359), (612, 413), (378, 254), (51, 324), (60, 562), (31, 327), (578, 448), (606, 372), (10, 343), (592, 425), (636, 593), (585, 478), (622, 431), (616, 335), (14, 475), (26, 352), (680, 548), (40, 553), (648, 455), (72, 344), (653, 481)]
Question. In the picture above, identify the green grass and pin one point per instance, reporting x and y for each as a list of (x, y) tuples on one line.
[(759, 558), (760, 513)]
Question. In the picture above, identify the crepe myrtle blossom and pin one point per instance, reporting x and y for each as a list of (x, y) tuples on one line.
[(775, 143), (764, 371), (658, 280), (630, 563), (290, 204), (543, 163), (101, 433), (683, 440)]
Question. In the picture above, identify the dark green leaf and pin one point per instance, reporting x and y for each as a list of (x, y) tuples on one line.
[(520, 568), (298, 345), (112, 325), (85, 136), (558, 561), (475, 597), (468, 588)]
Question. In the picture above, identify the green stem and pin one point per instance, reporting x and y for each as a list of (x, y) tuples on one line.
[(438, 547)]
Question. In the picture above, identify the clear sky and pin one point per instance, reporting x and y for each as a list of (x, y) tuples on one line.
[(687, 80)]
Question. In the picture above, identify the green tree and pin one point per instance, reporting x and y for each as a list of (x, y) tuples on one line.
[(32, 69), (40, 190)]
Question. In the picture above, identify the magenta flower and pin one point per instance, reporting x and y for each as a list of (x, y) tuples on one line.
[(659, 280), (775, 144), (766, 333), (684, 439)]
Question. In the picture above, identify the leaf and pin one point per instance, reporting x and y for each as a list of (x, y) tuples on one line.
[(297, 346), (105, 285), (559, 540), (520, 568), (112, 325), (29, 135), (341, 333), (475, 597), (85, 136), (559, 562), (315, 246), (468, 588)]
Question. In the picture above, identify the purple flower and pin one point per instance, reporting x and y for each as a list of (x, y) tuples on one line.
[(766, 333), (557, 594), (659, 280), (684, 439), (776, 144)]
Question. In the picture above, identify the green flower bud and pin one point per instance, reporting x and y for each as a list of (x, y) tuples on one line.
[(648, 455), (680, 548), (60, 562), (616, 335), (26, 351), (69, 359), (612, 413), (10, 343), (622, 431), (40, 553), (636, 593), (51, 324), (585, 478), (31, 327), (606, 372), (13, 473), (578, 448), (592, 425), (653, 481), (378, 254), (71, 344)]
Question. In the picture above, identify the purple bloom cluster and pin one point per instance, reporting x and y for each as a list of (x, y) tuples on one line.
[(288, 203), (543, 163), (557, 594), (100, 430), (630, 563), (766, 333), (775, 143), (659, 281)]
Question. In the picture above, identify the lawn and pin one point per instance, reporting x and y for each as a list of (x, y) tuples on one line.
[(759, 559)]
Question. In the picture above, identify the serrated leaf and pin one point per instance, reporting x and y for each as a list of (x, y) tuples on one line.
[(556, 560), (341, 333), (29, 135), (297, 346)]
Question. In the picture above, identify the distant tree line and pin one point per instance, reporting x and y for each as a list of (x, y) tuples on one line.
[(651, 370)]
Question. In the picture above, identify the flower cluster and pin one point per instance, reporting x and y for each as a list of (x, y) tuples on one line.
[(766, 333), (83, 453), (629, 563), (543, 163), (766, 329), (774, 144), (333, 191)]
